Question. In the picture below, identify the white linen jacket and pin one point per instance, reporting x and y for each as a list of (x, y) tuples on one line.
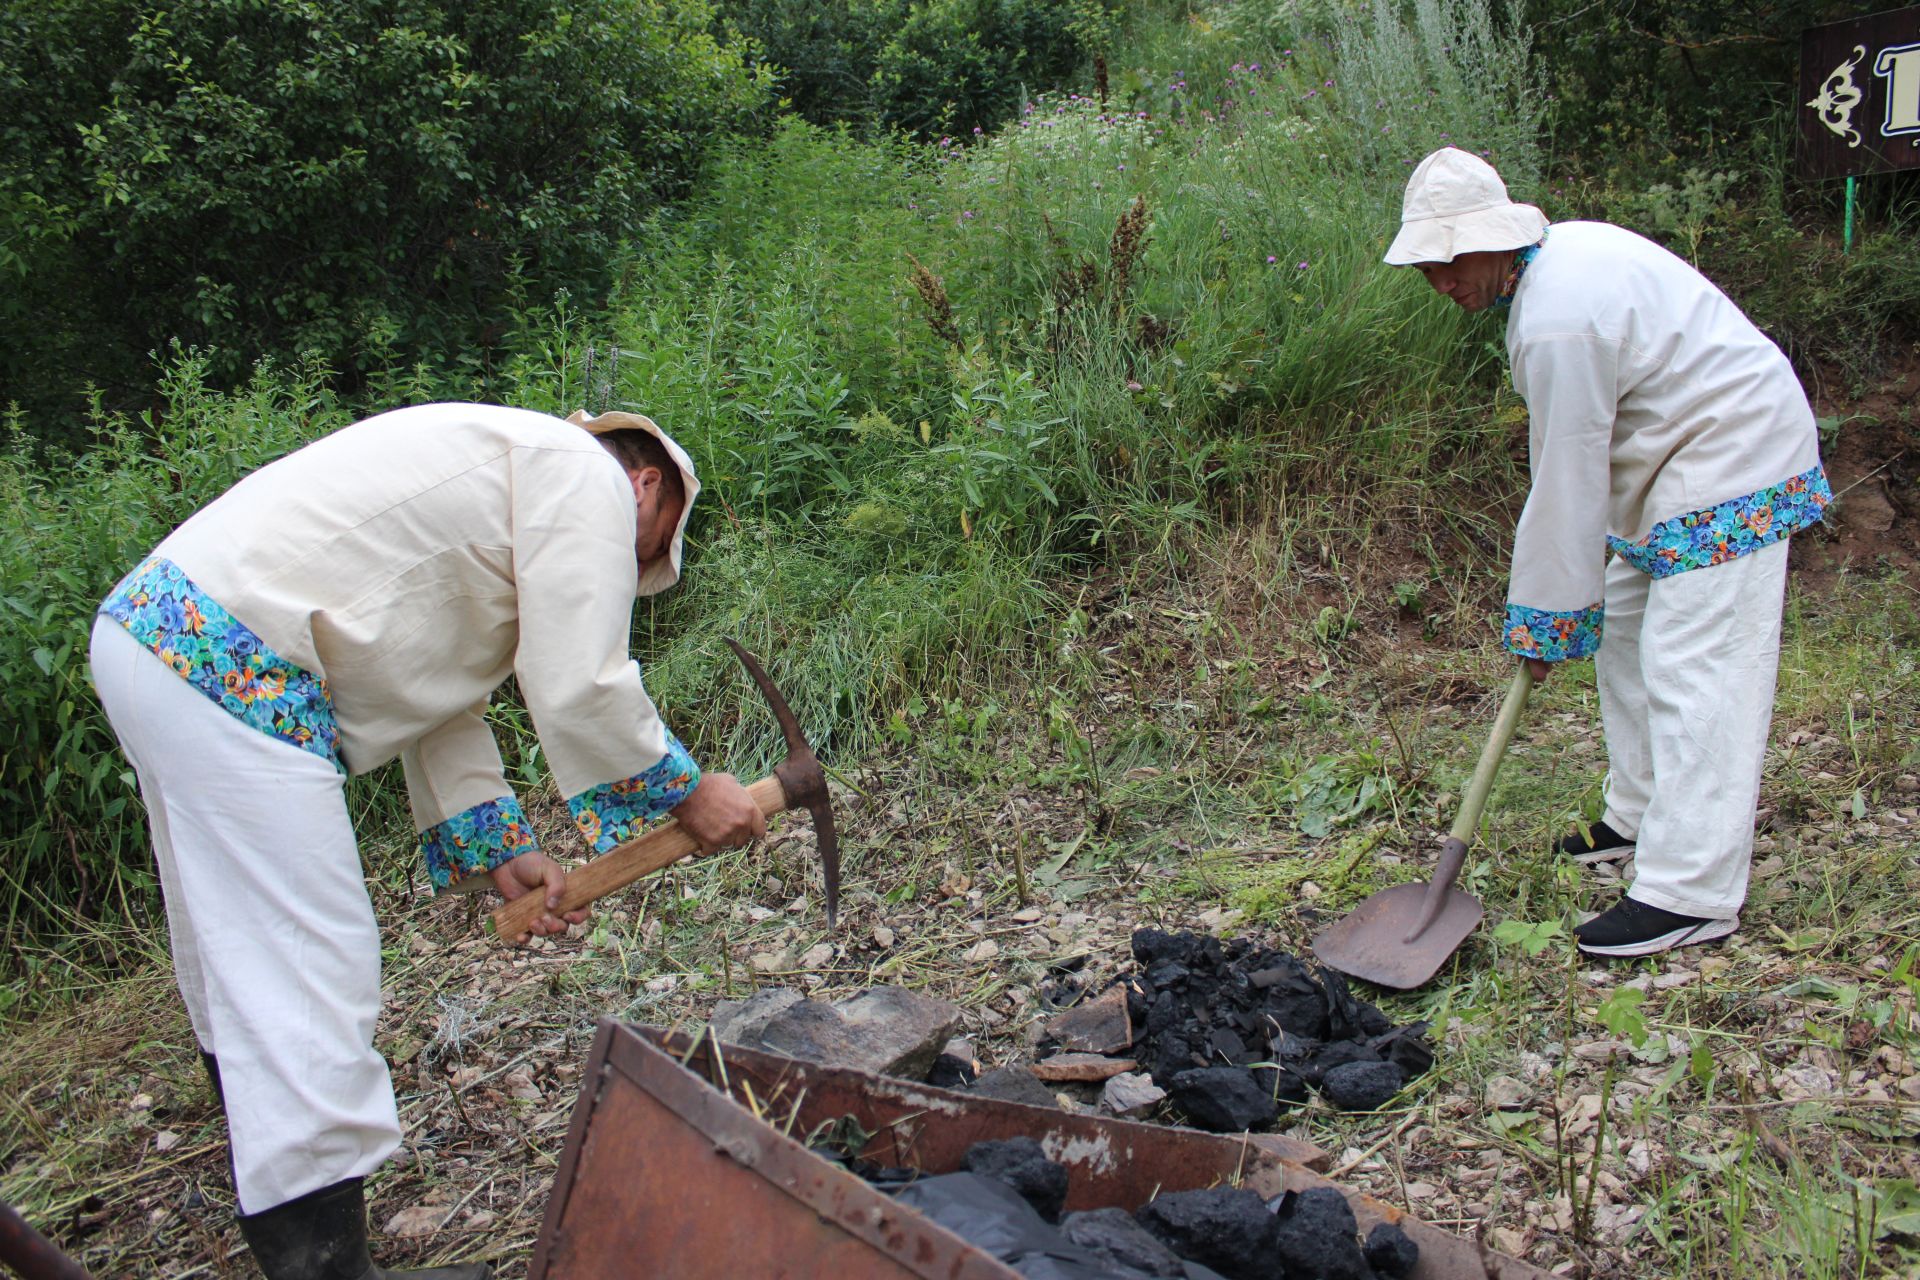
[(1663, 425), (407, 565)]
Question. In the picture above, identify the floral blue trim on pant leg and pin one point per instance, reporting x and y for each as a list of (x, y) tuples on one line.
[(1554, 636), (476, 840), (613, 812), (1714, 535)]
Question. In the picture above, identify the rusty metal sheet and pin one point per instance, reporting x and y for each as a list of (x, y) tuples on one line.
[(687, 1161)]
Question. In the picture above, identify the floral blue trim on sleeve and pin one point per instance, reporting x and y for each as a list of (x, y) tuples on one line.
[(220, 656), (1715, 535), (611, 813), (1553, 636), (476, 840)]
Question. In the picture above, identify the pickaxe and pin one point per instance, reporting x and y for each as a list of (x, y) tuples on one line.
[(798, 782)]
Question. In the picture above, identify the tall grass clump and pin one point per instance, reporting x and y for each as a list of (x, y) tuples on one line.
[(1450, 72)]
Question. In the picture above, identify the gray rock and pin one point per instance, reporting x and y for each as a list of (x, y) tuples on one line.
[(885, 1030), (905, 1028), (741, 1021), (1015, 1084), (1098, 1026), (1131, 1095)]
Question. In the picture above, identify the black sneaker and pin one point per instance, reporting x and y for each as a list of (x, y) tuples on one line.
[(1630, 928), (1606, 845)]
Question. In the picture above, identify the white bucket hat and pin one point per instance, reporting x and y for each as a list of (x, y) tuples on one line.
[(658, 576), (1455, 204)]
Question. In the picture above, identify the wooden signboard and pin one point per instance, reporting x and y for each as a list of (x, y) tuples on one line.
[(1860, 96)]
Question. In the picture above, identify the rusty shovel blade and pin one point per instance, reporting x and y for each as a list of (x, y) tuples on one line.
[(1372, 941), (1401, 936)]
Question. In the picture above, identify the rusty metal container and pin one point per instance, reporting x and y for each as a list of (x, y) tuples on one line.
[(689, 1159)]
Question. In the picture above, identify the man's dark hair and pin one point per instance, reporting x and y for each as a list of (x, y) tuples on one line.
[(634, 449)]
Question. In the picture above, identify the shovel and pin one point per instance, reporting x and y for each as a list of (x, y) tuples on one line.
[(1401, 936)]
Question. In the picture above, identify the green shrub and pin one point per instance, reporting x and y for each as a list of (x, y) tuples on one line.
[(371, 182), (72, 837), (924, 66)]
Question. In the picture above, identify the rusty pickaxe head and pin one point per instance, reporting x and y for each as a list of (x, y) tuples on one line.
[(802, 779)]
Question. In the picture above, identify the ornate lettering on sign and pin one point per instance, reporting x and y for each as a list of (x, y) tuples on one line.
[(1900, 67), (1839, 96)]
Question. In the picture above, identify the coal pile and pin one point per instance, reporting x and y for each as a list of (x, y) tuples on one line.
[(1235, 1032), (1008, 1200)]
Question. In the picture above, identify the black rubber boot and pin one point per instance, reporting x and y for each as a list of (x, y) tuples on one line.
[(212, 1064), (323, 1236)]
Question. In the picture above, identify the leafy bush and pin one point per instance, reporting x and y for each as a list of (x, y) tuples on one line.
[(1663, 76), (924, 66), (370, 182)]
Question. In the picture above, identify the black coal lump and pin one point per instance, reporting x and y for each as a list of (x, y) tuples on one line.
[(1223, 1099), (949, 1072), (1226, 1228), (1282, 1084), (1335, 1053), (1317, 1237), (1390, 1251), (1022, 1165), (1350, 1018), (1406, 1048), (1362, 1086), (1115, 1236), (1152, 945)]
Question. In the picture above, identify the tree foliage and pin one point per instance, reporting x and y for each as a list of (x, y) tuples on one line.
[(368, 181), (924, 66)]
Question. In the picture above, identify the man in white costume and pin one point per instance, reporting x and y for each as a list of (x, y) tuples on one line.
[(1663, 426), (353, 602)]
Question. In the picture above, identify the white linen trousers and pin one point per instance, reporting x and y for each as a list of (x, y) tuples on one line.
[(275, 947), (1686, 674)]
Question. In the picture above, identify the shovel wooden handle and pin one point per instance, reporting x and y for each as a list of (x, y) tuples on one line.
[(659, 847), (1467, 822)]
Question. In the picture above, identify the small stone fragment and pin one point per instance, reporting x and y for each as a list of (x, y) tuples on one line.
[(1085, 1068), (1099, 1025), (1362, 1086), (420, 1220), (1131, 1095), (1504, 1093), (1015, 1084), (741, 1021), (1022, 1165)]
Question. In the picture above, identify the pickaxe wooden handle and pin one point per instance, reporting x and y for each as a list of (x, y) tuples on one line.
[(796, 782)]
